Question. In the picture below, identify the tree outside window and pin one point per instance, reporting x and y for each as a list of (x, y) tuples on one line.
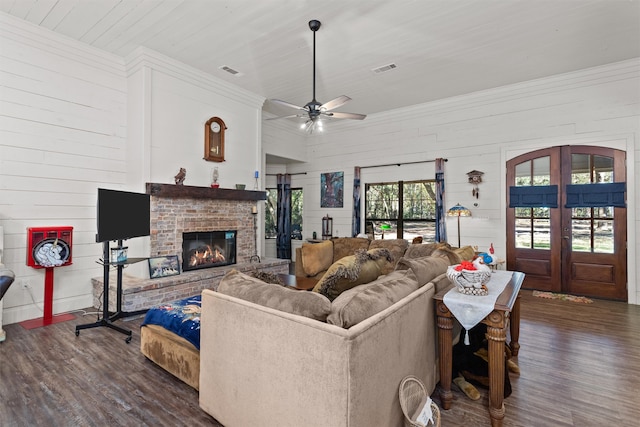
[(402, 210), (271, 213)]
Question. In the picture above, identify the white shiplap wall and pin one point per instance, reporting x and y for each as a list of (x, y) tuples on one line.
[(74, 119), (598, 106), (62, 134)]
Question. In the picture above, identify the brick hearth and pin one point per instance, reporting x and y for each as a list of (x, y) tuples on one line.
[(141, 294)]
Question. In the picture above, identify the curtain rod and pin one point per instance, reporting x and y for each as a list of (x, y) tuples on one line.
[(276, 174), (400, 164)]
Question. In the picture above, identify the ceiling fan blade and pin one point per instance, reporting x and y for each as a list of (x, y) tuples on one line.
[(286, 104), (353, 116), (284, 117), (335, 103)]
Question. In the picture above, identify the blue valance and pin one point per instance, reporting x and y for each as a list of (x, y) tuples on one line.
[(596, 195), (533, 196)]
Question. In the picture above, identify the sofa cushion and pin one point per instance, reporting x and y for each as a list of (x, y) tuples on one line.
[(466, 253), (425, 249), (302, 303), (397, 248), (317, 257), (425, 268), (357, 304), (351, 271), (346, 246), (448, 254)]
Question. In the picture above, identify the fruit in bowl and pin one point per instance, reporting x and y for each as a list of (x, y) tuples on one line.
[(470, 277)]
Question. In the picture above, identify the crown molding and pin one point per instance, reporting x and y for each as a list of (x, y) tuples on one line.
[(143, 57)]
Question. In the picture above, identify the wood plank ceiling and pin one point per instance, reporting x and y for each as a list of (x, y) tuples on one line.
[(441, 48)]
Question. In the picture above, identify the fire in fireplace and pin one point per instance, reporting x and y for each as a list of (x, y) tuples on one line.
[(204, 249)]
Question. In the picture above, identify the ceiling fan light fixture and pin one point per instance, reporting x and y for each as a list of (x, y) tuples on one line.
[(313, 109)]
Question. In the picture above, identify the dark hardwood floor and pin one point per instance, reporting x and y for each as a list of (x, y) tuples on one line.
[(580, 366)]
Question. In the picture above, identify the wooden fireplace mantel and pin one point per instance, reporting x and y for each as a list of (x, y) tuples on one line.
[(188, 191)]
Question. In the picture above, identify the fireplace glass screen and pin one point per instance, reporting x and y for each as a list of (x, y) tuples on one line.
[(206, 249)]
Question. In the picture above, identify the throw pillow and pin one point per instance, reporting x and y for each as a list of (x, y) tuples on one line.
[(267, 277), (358, 304), (449, 254), (425, 268), (301, 303), (317, 257), (425, 249), (466, 253), (351, 271), (397, 248)]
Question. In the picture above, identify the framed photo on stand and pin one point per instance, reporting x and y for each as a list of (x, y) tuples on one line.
[(163, 266)]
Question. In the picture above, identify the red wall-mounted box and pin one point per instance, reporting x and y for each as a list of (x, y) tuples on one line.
[(49, 246)]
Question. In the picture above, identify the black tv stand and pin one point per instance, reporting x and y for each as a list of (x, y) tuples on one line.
[(107, 317)]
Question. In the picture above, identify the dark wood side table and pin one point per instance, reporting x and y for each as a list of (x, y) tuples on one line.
[(302, 283), (506, 312)]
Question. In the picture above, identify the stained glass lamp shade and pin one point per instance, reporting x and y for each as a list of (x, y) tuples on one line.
[(458, 210)]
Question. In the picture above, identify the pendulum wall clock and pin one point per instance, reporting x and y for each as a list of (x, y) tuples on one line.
[(214, 140)]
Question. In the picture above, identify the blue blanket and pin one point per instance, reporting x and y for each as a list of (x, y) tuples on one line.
[(181, 317)]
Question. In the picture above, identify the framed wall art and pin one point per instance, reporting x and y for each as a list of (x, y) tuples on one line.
[(163, 266), (332, 190)]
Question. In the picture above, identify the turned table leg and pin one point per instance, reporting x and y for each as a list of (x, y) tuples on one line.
[(496, 336), (445, 351)]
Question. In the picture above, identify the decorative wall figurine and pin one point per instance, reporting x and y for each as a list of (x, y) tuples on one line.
[(475, 178), (181, 176)]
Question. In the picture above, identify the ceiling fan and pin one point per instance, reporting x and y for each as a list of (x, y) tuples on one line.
[(313, 112)]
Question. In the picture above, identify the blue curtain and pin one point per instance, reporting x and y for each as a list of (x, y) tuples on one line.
[(355, 221), (596, 195), (283, 237), (441, 230), (533, 196)]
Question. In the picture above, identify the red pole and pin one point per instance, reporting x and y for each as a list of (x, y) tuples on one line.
[(48, 296)]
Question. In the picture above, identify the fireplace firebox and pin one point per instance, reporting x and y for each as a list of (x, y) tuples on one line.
[(205, 249)]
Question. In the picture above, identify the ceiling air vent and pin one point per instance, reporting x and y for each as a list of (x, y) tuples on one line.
[(384, 68), (230, 70)]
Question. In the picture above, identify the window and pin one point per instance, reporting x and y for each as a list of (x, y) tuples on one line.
[(592, 227), (533, 225), (271, 213), (402, 210)]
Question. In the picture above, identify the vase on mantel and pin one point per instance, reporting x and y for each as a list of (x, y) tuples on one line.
[(214, 176)]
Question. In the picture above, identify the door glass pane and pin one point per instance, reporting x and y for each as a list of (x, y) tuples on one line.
[(541, 233), (523, 174), (580, 169), (542, 171), (581, 235), (603, 237), (603, 168), (523, 233)]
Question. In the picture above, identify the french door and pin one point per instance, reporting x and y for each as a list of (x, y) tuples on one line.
[(565, 229)]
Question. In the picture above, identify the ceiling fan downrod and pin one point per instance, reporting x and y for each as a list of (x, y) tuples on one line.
[(314, 105)]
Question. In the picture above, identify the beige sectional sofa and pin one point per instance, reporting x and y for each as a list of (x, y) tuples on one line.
[(273, 356)]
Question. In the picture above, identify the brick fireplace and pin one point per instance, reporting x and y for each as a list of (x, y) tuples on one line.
[(178, 209)]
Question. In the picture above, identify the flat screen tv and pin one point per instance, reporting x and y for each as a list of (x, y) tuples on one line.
[(122, 215)]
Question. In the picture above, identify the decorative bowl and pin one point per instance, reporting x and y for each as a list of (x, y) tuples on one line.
[(240, 186), (469, 282)]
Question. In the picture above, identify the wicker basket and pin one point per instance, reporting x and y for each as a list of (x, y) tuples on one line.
[(412, 393), (470, 282)]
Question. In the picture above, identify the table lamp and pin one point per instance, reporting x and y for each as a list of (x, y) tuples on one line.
[(458, 210)]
